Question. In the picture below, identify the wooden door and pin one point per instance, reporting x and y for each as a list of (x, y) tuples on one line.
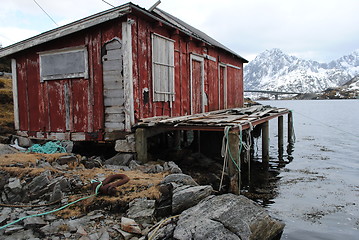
[(114, 98), (222, 86), (197, 84)]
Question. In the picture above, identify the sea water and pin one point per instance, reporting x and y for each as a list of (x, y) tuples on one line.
[(318, 188)]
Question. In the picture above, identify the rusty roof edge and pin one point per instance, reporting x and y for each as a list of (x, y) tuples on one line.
[(67, 29)]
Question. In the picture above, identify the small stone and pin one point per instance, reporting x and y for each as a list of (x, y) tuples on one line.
[(179, 178), (81, 231), (5, 215), (67, 159), (56, 194), (133, 165), (125, 235), (14, 185), (120, 159), (13, 229), (34, 222), (141, 210), (129, 225), (67, 235)]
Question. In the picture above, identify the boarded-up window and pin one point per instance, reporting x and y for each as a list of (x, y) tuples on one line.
[(163, 68), (68, 63)]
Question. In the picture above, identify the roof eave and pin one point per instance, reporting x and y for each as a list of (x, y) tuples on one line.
[(67, 29)]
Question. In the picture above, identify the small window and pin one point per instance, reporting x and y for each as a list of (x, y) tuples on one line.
[(163, 68), (68, 63)]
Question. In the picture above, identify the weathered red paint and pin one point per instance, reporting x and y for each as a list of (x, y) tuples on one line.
[(42, 105)]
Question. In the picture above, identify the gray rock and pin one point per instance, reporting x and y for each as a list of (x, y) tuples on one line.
[(4, 215), (120, 159), (115, 167), (23, 141), (101, 235), (34, 222), (93, 162), (56, 194), (67, 159), (38, 185), (179, 178), (141, 210), (228, 216), (14, 185), (6, 149), (21, 235), (12, 229), (133, 165), (154, 169), (185, 197), (165, 232), (171, 167)]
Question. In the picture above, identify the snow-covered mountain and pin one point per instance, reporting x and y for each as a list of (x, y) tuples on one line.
[(277, 71)]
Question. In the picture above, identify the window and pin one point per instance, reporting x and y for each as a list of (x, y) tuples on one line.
[(162, 68), (66, 63)]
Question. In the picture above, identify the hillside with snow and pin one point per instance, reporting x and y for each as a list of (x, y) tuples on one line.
[(277, 71)]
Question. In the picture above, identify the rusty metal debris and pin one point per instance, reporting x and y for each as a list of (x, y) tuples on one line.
[(109, 184)]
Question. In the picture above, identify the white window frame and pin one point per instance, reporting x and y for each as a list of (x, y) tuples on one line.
[(159, 94), (84, 74)]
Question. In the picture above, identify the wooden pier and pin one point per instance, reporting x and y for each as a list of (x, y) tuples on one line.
[(233, 122)]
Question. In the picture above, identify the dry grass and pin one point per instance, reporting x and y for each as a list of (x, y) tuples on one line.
[(140, 185), (6, 106), (27, 159)]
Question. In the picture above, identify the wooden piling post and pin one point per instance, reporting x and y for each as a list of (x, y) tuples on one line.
[(177, 140), (280, 136), (265, 143), (233, 171), (290, 127), (141, 145)]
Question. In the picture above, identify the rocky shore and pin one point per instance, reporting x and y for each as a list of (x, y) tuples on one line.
[(158, 202)]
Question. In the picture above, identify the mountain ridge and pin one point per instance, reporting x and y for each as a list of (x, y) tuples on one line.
[(275, 70)]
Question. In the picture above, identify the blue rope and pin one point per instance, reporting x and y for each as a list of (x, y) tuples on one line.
[(55, 210)]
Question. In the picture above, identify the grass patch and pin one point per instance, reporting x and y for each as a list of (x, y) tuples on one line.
[(6, 107)]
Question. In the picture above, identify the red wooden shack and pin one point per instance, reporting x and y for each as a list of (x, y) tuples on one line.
[(93, 79)]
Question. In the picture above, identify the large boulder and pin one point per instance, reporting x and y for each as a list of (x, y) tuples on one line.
[(186, 196), (227, 217)]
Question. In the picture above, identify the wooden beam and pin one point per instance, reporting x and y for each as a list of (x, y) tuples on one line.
[(14, 94), (128, 74), (290, 127), (233, 171), (265, 143), (280, 136), (141, 145)]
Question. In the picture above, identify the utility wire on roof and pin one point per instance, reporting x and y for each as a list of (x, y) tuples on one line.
[(108, 3), (45, 12)]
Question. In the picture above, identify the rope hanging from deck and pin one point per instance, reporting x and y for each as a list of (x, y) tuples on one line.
[(226, 152)]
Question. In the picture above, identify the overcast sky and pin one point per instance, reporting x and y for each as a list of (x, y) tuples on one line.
[(321, 30)]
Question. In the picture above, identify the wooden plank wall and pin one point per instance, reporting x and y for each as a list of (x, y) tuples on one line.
[(65, 105), (184, 47)]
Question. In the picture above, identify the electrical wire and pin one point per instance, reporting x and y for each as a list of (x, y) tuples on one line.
[(45, 12), (108, 3)]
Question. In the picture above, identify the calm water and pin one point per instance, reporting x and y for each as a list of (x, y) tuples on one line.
[(318, 191)]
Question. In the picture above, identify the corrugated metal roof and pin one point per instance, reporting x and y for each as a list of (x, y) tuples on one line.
[(157, 14)]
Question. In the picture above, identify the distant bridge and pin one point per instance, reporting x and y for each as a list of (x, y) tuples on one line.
[(275, 93)]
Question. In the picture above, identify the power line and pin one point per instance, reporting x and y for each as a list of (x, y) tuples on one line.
[(45, 12), (108, 3)]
